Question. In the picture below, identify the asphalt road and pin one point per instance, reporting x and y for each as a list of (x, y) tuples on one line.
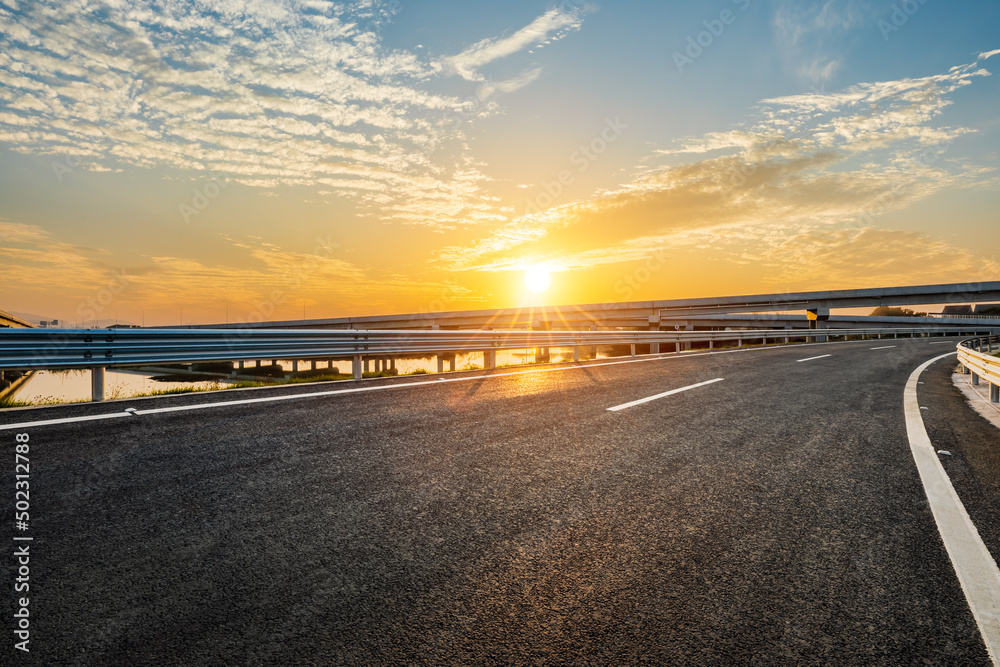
[(773, 518)]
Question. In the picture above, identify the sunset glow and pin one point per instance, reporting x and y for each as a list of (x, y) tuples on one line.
[(178, 163)]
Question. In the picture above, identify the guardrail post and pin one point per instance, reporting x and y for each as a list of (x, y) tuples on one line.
[(576, 353), (994, 393), (633, 349), (489, 359), (687, 343), (356, 367), (97, 384), (440, 361)]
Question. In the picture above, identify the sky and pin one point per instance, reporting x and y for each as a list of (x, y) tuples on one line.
[(185, 161)]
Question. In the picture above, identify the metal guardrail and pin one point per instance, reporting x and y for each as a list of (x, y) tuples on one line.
[(950, 316), (982, 365), (97, 349)]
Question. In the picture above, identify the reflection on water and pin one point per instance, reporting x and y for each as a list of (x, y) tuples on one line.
[(74, 385)]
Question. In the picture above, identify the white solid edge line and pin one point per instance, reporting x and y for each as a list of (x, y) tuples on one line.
[(976, 569), (884, 347), (811, 358), (353, 390), (666, 393)]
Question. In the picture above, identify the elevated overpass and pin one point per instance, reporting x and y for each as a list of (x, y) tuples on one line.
[(11, 380), (814, 307), (8, 321)]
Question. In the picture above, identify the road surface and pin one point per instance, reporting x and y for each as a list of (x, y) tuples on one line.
[(774, 516)]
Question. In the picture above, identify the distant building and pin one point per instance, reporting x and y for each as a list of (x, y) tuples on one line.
[(48, 324), (987, 309)]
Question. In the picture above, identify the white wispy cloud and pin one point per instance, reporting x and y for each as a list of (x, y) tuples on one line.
[(263, 93), (551, 25), (809, 35)]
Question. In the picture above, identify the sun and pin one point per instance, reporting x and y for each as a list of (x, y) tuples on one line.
[(537, 279)]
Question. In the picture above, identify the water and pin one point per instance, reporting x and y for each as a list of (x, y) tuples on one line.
[(74, 385)]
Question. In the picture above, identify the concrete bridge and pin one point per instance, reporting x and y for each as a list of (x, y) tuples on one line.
[(8, 321), (10, 381), (675, 313)]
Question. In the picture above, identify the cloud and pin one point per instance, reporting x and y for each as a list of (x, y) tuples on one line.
[(809, 163), (810, 35), (552, 25), (259, 281), (33, 262), (862, 256), (266, 93)]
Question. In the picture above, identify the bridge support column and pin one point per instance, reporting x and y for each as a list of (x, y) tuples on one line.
[(542, 353), (489, 359), (994, 393), (654, 325), (685, 345), (966, 370), (975, 379), (97, 384), (356, 366), (817, 320)]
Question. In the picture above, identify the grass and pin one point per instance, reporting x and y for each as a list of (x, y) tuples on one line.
[(8, 402)]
